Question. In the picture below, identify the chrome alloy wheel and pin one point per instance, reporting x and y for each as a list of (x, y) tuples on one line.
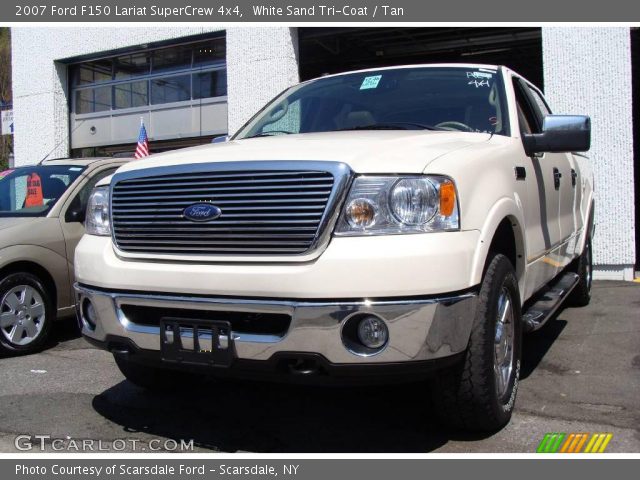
[(22, 315), (504, 343)]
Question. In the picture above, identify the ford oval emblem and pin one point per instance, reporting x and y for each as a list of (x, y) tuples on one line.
[(201, 212)]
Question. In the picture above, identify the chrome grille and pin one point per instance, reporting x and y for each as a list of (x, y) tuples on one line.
[(264, 212)]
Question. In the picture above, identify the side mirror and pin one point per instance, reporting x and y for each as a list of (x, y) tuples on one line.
[(560, 133), (75, 213), (223, 139)]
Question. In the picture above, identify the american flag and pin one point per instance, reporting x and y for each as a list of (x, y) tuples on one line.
[(142, 150)]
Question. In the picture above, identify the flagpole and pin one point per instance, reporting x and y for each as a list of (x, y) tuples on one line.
[(142, 149)]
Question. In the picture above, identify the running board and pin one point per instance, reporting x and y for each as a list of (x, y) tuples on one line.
[(543, 309)]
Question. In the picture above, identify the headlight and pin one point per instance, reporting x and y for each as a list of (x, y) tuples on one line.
[(97, 219), (393, 205), (413, 201)]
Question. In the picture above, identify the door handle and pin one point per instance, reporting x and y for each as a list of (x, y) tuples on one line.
[(556, 178), (574, 177)]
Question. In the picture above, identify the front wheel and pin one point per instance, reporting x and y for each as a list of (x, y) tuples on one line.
[(479, 393), (26, 314)]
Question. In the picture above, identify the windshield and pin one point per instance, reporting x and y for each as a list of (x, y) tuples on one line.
[(32, 191), (433, 98)]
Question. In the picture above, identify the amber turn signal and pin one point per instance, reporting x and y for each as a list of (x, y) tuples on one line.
[(361, 213), (447, 198)]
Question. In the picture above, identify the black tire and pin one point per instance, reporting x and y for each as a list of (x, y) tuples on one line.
[(581, 294), (156, 379), (467, 396), (25, 320)]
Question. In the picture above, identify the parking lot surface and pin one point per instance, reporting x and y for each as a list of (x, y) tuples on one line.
[(580, 373)]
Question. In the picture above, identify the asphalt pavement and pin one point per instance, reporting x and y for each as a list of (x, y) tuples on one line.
[(580, 373)]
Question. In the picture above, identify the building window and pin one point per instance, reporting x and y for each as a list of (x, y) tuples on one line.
[(193, 71), (209, 53), (93, 100), (172, 59), (170, 89), (93, 72), (210, 84), (131, 95), (129, 66)]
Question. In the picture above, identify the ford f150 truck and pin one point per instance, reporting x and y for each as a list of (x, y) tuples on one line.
[(386, 224)]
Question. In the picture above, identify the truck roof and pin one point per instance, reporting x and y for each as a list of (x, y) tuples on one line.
[(418, 65)]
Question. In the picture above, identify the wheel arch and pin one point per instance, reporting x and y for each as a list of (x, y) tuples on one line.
[(502, 233), (589, 228), (37, 270)]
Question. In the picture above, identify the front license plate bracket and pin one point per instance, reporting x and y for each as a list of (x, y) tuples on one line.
[(197, 342)]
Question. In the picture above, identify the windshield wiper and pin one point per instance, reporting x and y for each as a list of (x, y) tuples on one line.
[(393, 126), (270, 133)]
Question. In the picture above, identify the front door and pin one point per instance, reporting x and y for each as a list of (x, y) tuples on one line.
[(568, 185), (537, 186)]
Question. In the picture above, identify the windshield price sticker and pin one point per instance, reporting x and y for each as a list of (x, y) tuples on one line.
[(370, 82), (479, 79)]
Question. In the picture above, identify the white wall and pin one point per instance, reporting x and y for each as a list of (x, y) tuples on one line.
[(264, 62), (588, 71), (261, 63)]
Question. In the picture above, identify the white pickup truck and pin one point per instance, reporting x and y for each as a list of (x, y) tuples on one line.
[(379, 225)]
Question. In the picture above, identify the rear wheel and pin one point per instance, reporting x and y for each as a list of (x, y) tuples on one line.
[(26, 314), (479, 393)]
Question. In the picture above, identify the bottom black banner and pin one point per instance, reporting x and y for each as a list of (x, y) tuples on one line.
[(316, 469)]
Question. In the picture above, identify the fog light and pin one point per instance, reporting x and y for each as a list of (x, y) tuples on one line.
[(89, 313), (373, 332)]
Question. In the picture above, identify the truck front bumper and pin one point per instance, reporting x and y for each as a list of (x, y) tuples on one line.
[(421, 329)]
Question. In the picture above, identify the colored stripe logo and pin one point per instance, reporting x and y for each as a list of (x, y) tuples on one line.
[(574, 443)]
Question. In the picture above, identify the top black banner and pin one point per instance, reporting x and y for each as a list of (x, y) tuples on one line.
[(299, 11)]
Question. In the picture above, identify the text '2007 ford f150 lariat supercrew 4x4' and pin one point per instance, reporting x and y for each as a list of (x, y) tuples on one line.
[(375, 224)]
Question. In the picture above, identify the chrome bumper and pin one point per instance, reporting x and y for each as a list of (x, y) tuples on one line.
[(419, 329)]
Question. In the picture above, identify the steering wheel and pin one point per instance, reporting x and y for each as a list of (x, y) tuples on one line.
[(453, 125)]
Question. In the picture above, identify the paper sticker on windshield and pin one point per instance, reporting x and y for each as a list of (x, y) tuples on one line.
[(5, 173), (75, 169), (370, 82), (34, 191), (479, 79), (479, 75)]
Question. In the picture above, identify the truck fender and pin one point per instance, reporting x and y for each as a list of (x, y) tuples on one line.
[(504, 208), (589, 227)]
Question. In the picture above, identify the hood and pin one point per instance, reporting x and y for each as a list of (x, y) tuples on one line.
[(40, 231), (20, 230), (9, 222), (367, 151)]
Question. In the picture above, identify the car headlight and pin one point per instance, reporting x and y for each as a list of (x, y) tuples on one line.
[(97, 218), (393, 205)]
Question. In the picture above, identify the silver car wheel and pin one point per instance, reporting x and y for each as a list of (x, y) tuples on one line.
[(22, 315), (504, 343)]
